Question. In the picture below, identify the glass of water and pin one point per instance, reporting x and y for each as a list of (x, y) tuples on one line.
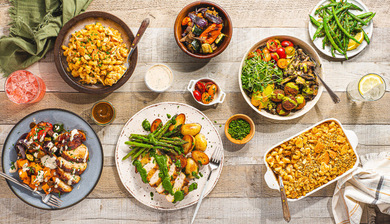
[(370, 87)]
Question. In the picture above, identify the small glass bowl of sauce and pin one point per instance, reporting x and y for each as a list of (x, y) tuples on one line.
[(103, 113)]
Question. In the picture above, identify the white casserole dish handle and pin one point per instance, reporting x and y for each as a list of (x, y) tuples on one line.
[(270, 180), (352, 137)]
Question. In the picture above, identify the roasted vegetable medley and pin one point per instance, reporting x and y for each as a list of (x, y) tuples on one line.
[(340, 26), (279, 77), (169, 156), (202, 31)]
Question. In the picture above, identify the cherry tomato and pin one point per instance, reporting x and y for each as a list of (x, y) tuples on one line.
[(206, 98), (282, 63), (251, 55), (197, 95), (200, 87), (275, 56), (287, 43), (267, 57), (290, 51), (281, 52), (273, 44), (265, 51), (212, 90), (207, 85)]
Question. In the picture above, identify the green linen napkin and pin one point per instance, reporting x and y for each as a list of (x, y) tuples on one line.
[(35, 26)]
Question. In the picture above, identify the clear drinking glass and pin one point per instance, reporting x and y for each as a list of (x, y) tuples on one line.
[(355, 89), (24, 87)]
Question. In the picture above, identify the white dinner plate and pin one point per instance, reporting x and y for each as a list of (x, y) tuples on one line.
[(133, 182), (318, 41)]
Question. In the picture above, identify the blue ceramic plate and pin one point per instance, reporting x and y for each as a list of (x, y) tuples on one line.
[(89, 178)]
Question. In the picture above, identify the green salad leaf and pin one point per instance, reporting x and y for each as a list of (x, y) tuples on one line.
[(257, 74)]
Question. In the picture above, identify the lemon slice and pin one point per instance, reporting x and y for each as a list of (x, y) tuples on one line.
[(369, 82), (353, 44)]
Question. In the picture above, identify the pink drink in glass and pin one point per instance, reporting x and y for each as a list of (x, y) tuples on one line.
[(24, 87)]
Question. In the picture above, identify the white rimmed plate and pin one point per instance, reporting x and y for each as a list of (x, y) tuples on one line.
[(132, 181), (318, 41)]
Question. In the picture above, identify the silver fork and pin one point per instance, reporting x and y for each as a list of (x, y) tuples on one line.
[(46, 198), (215, 161)]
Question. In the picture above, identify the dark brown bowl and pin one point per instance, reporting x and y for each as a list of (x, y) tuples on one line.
[(227, 28), (78, 23)]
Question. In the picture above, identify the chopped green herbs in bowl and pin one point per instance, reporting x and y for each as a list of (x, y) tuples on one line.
[(239, 129)]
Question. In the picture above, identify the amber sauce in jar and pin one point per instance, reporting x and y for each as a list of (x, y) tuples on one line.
[(103, 112)]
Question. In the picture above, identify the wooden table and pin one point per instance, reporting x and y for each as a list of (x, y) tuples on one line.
[(241, 195)]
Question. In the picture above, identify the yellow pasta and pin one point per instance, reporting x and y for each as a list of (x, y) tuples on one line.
[(96, 54)]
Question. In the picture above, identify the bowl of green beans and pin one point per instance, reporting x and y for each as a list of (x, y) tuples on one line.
[(341, 29)]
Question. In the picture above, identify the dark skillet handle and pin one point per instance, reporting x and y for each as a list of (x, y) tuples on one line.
[(141, 31)]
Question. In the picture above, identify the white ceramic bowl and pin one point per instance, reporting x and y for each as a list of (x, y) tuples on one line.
[(319, 69), (273, 182), (219, 96), (166, 68)]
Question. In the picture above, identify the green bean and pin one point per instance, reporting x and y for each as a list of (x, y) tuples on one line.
[(330, 17), (335, 38), (332, 51), (324, 42), (345, 37), (364, 15), (317, 32), (357, 18), (324, 7), (326, 29), (314, 21), (342, 28), (369, 18), (366, 37), (355, 7)]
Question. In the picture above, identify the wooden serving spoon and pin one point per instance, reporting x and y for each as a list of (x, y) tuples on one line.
[(141, 31)]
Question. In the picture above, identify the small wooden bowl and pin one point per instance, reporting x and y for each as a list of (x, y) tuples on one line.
[(227, 28), (247, 119)]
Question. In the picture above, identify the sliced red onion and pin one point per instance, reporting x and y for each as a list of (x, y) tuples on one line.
[(202, 23), (212, 18)]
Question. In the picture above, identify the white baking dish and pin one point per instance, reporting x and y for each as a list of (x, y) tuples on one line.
[(271, 179)]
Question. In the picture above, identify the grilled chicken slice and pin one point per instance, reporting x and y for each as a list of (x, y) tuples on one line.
[(178, 184), (67, 177), (72, 167), (62, 186), (79, 154), (178, 180)]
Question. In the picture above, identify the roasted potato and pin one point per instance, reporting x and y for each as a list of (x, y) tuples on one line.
[(155, 125), (180, 119), (188, 147), (200, 157), (190, 129), (200, 142), (191, 167)]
